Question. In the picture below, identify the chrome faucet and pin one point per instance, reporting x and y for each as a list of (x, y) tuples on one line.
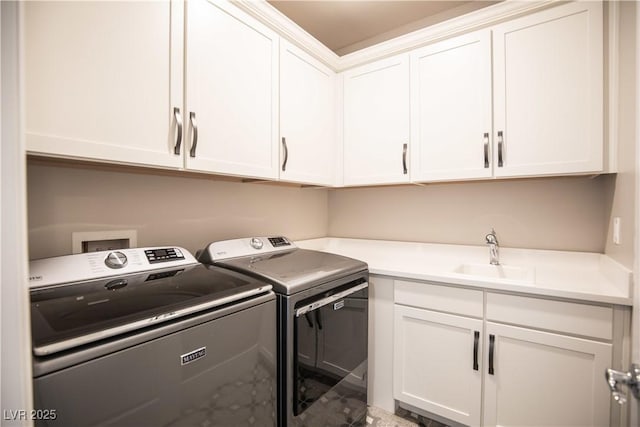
[(630, 379), (492, 240)]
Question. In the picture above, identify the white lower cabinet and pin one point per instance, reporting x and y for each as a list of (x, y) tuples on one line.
[(544, 379), (437, 365), (380, 370), (500, 360)]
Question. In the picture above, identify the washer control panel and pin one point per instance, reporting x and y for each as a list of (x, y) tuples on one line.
[(163, 255), (279, 242), (96, 265)]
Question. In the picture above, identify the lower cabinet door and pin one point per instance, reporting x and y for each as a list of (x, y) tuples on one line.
[(543, 379), (437, 364)]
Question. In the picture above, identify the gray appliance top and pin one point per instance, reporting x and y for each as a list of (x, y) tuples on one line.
[(276, 259), (101, 295)]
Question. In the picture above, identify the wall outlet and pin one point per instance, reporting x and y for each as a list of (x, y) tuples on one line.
[(616, 230), (92, 241)]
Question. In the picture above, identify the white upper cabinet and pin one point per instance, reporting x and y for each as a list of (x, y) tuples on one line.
[(307, 117), (231, 92), (539, 113), (451, 109), (548, 92), (102, 80), (376, 123)]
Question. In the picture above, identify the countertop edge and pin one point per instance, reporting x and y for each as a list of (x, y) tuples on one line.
[(617, 278), (504, 287)]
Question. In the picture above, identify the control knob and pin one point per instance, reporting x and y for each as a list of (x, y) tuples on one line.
[(115, 260), (256, 243)]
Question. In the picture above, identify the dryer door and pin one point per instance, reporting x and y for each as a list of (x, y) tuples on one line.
[(330, 344)]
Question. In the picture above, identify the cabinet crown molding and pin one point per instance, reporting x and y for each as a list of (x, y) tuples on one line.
[(270, 16)]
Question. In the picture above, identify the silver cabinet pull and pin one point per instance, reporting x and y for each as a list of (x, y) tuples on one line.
[(286, 154), (178, 117), (500, 149), (404, 159), (194, 130), (486, 150)]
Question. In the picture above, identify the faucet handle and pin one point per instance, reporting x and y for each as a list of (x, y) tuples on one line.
[(491, 238)]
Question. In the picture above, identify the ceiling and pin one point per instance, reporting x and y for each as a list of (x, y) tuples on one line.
[(345, 26)]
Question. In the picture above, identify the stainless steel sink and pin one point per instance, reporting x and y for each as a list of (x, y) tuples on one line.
[(505, 272)]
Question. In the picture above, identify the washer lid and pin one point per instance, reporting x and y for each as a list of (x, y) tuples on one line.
[(63, 317), (296, 270)]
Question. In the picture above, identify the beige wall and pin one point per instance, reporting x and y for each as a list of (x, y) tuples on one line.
[(190, 211), (187, 211), (554, 213), (623, 203)]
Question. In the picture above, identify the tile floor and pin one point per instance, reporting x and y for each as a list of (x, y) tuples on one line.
[(377, 417)]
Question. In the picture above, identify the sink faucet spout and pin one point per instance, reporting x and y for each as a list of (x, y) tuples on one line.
[(492, 240)]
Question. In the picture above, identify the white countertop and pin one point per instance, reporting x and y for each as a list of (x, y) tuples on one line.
[(583, 276)]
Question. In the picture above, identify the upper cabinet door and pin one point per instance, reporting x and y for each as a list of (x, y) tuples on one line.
[(451, 109), (376, 123), (548, 84), (307, 112), (102, 80), (232, 92)]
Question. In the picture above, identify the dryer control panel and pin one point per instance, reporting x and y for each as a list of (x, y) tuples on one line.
[(235, 248)]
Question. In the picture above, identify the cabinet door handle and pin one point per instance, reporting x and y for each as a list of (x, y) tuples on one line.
[(404, 159), (492, 341), (486, 150), (194, 128), (476, 341), (286, 154), (178, 117), (500, 149)]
